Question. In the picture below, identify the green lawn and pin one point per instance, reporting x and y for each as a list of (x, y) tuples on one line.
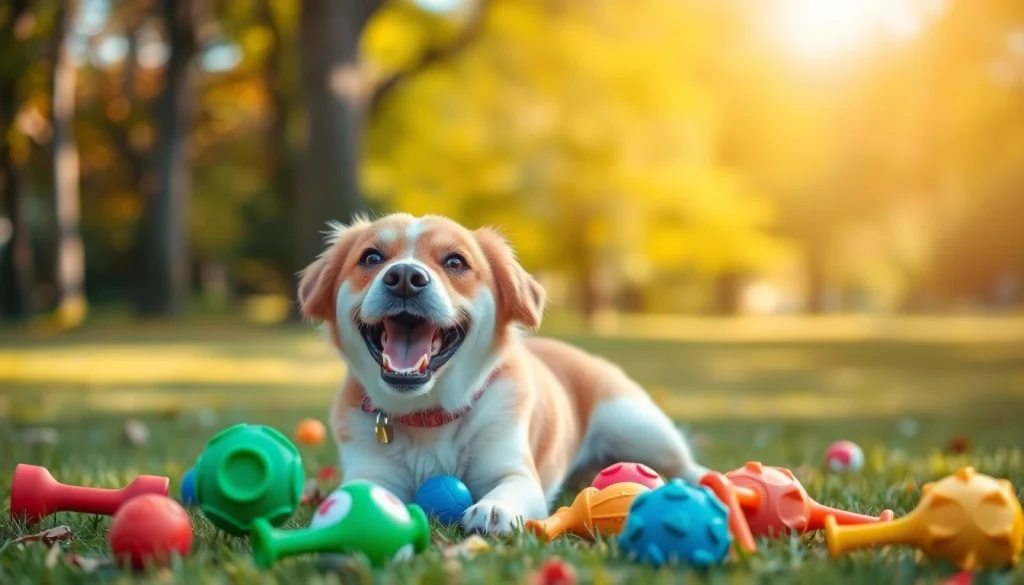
[(777, 402)]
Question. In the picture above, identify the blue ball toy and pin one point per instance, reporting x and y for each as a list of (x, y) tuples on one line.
[(444, 497), (188, 489), (677, 523)]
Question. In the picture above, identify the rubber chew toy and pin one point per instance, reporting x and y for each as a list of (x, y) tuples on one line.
[(248, 472), (970, 519), (677, 523), (775, 504), (357, 517), (35, 494), (594, 512), (728, 495)]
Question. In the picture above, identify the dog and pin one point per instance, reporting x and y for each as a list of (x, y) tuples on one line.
[(443, 376)]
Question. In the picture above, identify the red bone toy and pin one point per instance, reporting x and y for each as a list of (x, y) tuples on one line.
[(35, 494), (774, 503)]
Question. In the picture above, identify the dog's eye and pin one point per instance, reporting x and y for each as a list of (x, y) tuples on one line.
[(371, 258), (455, 262)]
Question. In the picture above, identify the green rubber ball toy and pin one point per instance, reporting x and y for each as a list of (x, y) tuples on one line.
[(358, 517), (248, 472)]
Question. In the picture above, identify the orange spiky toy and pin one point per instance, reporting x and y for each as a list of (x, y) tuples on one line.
[(971, 519), (594, 512)]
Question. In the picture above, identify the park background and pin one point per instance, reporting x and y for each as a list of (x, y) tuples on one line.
[(793, 221), (764, 211)]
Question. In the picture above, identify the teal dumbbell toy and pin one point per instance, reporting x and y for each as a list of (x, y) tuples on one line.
[(357, 517), (248, 472)]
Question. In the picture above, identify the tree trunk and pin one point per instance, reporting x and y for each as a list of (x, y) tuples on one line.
[(277, 152), (16, 253), (164, 238), (816, 279), (335, 95), (279, 160), (728, 287), (70, 264)]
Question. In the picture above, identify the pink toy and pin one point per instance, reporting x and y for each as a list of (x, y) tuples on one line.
[(776, 504), (844, 456), (35, 494), (628, 473)]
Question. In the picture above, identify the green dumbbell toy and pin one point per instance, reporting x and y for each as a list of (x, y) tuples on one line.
[(357, 517), (248, 472)]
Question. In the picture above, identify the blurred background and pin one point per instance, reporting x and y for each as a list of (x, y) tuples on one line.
[(667, 168), (650, 156)]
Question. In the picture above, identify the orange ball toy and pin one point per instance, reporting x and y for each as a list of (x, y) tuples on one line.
[(310, 432)]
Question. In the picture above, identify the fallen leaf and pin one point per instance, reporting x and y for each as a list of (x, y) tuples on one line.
[(52, 556), (49, 537), (958, 445), (136, 432), (88, 564), (41, 436), (206, 417), (468, 548)]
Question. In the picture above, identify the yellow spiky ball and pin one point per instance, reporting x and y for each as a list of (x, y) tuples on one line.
[(971, 519)]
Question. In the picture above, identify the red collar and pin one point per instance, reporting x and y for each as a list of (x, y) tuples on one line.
[(434, 417)]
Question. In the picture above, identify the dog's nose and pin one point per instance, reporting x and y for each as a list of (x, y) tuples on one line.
[(406, 280)]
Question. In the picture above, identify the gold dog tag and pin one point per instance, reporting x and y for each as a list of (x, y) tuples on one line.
[(385, 432)]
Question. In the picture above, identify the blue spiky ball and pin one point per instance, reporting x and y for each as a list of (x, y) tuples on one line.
[(677, 524), (444, 497)]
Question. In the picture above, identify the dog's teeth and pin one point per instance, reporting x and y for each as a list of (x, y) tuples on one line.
[(435, 345), (387, 363), (384, 338), (422, 366)]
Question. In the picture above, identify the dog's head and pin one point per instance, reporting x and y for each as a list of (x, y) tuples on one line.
[(420, 306)]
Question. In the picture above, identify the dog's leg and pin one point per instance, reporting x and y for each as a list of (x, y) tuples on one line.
[(502, 470), (633, 428)]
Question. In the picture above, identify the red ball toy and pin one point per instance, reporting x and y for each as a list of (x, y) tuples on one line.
[(844, 456), (148, 529), (628, 472)]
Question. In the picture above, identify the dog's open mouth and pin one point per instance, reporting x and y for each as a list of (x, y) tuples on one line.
[(409, 349)]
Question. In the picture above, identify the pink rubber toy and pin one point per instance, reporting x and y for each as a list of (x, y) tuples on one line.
[(628, 472), (35, 494), (776, 504)]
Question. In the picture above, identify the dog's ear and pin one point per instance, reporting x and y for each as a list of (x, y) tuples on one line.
[(318, 280), (519, 296)]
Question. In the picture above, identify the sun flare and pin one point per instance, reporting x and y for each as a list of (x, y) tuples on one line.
[(827, 28)]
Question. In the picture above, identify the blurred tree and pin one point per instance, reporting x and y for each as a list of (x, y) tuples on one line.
[(70, 261), (18, 29), (977, 51), (585, 131), (334, 92), (164, 236)]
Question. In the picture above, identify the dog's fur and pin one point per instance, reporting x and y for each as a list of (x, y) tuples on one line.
[(551, 411)]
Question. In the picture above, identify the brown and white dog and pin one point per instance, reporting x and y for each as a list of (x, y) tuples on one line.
[(428, 316)]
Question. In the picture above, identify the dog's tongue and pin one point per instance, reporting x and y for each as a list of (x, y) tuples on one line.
[(405, 348)]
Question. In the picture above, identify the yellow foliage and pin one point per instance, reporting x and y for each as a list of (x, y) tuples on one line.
[(581, 126)]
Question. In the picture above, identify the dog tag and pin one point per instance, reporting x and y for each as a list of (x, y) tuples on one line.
[(385, 432)]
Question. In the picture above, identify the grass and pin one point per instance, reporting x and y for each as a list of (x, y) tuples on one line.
[(780, 402)]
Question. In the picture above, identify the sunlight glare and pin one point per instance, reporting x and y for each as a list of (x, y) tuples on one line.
[(826, 28)]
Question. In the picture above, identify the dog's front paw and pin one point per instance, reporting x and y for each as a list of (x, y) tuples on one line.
[(490, 518)]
